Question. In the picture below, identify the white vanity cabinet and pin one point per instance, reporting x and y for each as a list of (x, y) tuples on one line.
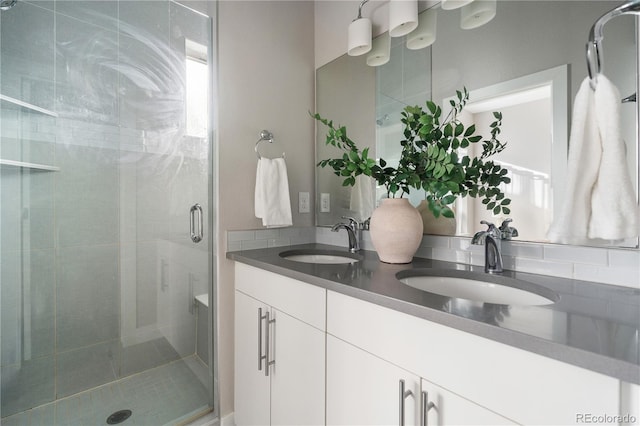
[(286, 319), (496, 383), (339, 360)]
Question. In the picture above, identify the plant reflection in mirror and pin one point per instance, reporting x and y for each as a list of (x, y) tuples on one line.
[(429, 159)]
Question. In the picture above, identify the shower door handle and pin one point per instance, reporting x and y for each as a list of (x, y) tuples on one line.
[(196, 210)]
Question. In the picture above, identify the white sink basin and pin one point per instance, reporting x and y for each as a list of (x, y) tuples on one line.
[(320, 257), (481, 290)]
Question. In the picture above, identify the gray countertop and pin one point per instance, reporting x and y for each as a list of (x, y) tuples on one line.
[(591, 325)]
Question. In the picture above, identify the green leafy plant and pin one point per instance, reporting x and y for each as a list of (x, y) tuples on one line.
[(429, 159)]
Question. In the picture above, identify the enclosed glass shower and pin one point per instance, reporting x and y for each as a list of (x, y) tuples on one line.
[(105, 212)]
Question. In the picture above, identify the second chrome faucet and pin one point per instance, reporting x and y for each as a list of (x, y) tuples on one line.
[(491, 240)]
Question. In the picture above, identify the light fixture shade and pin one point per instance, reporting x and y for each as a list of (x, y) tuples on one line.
[(454, 4), (477, 14), (359, 37), (425, 34), (381, 51), (403, 17)]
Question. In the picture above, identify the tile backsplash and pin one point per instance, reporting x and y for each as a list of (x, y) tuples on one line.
[(604, 265), (274, 237)]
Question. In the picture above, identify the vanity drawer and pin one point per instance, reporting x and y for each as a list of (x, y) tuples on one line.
[(303, 301), (520, 385)]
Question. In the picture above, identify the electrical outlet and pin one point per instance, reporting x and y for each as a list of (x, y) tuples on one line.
[(303, 202), (325, 202)]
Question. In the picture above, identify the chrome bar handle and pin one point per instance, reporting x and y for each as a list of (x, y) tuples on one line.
[(402, 394), (196, 237), (269, 362), (260, 356), (425, 406)]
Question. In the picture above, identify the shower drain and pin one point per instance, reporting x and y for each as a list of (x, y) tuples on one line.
[(118, 417)]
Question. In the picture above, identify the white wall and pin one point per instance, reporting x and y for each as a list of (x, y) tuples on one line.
[(266, 81)]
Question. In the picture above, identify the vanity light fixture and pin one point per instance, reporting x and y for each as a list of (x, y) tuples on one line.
[(453, 4), (425, 34), (381, 51), (403, 17), (359, 36), (477, 13)]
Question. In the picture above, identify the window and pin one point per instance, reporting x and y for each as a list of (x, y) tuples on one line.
[(197, 94)]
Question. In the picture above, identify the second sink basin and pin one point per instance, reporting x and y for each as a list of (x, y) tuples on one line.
[(478, 287), (324, 257)]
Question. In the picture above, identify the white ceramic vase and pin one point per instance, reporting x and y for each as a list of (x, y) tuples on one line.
[(396, 230)]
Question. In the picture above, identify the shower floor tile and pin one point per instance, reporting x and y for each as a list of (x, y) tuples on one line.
[(156, 397)]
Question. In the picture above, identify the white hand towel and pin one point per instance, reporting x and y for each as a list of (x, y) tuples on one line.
[(272, 202), (361, 202), (599, 200)]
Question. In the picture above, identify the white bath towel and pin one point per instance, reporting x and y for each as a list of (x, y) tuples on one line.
[(272, 202), (600, 202), (614, 209)]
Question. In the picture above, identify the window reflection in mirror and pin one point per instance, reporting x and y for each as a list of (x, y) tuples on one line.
[(528, 164), (535, 117)]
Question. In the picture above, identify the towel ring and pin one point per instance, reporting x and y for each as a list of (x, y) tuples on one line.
[(594, 46), (266, 136)]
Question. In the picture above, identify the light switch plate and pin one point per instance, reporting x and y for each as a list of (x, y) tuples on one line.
[(303, 202), (325, 202)]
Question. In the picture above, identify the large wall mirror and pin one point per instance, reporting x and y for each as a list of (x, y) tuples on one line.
[(528, 62)]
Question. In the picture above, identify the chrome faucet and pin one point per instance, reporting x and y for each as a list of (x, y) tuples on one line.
[(507, 232), (491, 240), (354, 232)]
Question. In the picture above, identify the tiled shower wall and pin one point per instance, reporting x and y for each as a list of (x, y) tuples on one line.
[(604, 265)]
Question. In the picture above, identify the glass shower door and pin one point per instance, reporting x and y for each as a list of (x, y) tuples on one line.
[(105, 151), (164, 172)]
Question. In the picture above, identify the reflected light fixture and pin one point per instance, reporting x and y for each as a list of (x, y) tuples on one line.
[(477, 14), (425, 34), (381, 51), (454, 4), (403, 17), (359, 36)]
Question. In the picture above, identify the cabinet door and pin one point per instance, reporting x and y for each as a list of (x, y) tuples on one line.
[(363, 389), (451, 409), (251, 394), (297, 377)]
